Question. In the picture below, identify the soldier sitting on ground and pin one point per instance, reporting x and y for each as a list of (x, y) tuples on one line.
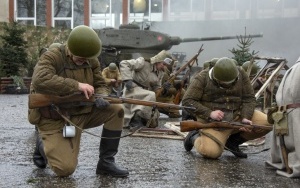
[(222, 93)]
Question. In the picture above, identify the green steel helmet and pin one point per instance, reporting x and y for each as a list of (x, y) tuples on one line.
[(210, 63), (225, 70), (254, 69), (54, 45), (84, 42), (112, 66)]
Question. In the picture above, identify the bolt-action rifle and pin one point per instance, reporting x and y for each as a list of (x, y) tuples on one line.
[(41, 100), (186, 126), (173, 76)]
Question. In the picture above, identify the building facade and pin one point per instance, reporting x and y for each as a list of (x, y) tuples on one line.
[(112, 13)]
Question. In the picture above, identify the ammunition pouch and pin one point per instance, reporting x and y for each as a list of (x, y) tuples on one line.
[(34, 116), (270, 112), (280, 121), (50, 113)]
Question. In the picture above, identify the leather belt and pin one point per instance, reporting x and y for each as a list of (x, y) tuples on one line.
[(140, 85), (288, 106), (295, 105)]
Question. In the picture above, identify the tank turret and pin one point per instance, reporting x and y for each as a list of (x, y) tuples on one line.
[(130, 42)]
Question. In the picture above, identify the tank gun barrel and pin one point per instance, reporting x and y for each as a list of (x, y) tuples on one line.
[(219, 38)]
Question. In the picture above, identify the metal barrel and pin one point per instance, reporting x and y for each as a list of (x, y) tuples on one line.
[(219, 38)]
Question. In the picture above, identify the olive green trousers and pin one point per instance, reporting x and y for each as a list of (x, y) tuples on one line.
[(62, 153)]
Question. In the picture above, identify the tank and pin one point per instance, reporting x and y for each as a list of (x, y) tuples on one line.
[(130, 42)]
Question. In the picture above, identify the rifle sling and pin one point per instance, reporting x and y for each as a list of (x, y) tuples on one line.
[(56, 108)]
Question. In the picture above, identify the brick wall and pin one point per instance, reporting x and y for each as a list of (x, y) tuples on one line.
[(7, 85)]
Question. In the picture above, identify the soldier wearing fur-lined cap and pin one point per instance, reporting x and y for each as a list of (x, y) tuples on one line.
[(141, 78)]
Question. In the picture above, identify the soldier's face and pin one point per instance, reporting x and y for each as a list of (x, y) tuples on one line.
[(160, 66), (78, 60)]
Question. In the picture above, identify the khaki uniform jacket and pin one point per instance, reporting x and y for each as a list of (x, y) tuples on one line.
[(56, 74), (109, 74), (204, 94)]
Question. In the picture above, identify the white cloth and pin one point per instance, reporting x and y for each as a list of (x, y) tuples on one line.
[(288, 93)]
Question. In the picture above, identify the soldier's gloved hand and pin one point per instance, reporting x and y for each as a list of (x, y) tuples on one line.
[(101, 103), (167, 86), (128, 84)]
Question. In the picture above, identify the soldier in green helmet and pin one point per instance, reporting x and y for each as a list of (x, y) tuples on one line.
[(66, 70), (222, 93), (254, 69), (209, 64), (113, 78)]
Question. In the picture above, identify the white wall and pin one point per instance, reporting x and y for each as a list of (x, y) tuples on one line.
[(4, 11), (281, 37)]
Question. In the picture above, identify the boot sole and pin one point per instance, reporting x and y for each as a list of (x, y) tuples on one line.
[(114, 175)]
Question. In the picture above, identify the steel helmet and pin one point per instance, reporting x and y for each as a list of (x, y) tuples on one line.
[(210, 63), (112, 66), (254, 68), (84, 42), (225, 70)]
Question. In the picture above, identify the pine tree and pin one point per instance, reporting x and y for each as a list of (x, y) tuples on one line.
[(242, 53), (12, 53)]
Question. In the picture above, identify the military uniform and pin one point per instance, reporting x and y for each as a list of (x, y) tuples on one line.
[(288, 93), (56, 74), (169, 97), (237, 102), (146, 79), (112, 74)]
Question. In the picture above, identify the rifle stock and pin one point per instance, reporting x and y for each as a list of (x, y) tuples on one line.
[(186, 126), (41, 100)]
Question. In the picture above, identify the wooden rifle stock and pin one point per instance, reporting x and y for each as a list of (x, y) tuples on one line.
[(172, 78), (41, 100), (186, 126)]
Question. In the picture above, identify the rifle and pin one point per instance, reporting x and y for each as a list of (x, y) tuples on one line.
[(41, 100), (173, 76), (186, 126)]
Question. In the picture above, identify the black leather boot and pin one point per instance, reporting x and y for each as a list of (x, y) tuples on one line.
[(108, 149), (39, 157), (136, 122), (190, 139), (233, 143)]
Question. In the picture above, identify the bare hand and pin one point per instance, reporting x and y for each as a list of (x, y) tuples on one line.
[(246, 121), (217, 115), (87, 89)]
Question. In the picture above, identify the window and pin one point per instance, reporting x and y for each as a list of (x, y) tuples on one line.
[(178, 6), (26, 11), (219, 5), (101, 13)]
